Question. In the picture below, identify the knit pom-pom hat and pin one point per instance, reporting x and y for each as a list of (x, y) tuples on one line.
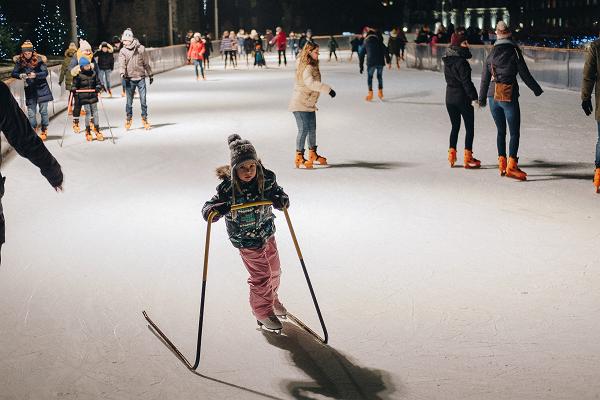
[(241, 150), (27, 46)]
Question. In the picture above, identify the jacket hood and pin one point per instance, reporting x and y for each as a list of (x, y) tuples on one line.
[(223, 172), (70, 52), (457, 51)]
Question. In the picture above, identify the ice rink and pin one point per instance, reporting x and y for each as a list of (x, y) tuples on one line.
[(434, 283)]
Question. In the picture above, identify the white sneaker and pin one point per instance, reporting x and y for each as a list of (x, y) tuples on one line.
[(271, 322)]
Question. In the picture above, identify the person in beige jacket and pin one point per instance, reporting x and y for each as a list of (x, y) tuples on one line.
[(303, 105)]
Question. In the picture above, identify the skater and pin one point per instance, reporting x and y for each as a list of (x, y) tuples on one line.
[(423, 39), (377, 56), (460, 97), (188, 39), (252, 230), (106, 64), (503, 64), (394, 44), (269, 39), (333, 46), (65, 75), (293, 44), (31, 68), (208, 50), (84, 51), (196, 55), (280, 41), (248, 48), (234, 49), (117, 45), (259, 56), (591, 78), (87, 87), (355, 44), (134, 68), (307, 90), (226, 48), (20, 135)]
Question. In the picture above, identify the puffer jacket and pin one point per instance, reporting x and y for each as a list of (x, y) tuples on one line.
[(307, 90), (249, 227), (457, 71), (87, 80), (196, 51), (376, 52), (508, 62), (133, 63), (591, 75), (65, 73), (36, 89)]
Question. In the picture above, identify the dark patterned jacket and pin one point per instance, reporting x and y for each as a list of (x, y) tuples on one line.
[(249, 227)]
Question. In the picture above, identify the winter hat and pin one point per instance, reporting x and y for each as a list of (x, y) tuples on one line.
[(27, 46), (83, 62), (457, 38), (84, 45), (241, 150), (127, 35), (197, 34), (502, 30), (103, 44)]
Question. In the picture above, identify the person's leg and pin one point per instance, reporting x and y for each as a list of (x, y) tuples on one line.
[(95, 117), (88, 115), (107, 76), (468, 114), (142, 88), (513, 116), (500, 120), (335, 54), (275, 267), (2, 224), (311, 120), (31, 109), (598, 148), (380, 76), (302, 129), (261, 293), (130, 90), (370, 72), (201, 63), (279, 57), (44, 115), (196, 62), (454, 114), (284, 59)]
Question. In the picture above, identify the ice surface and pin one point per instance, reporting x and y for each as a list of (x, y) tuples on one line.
[(435, 283)]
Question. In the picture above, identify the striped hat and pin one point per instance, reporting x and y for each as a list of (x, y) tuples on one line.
[(27, 46)]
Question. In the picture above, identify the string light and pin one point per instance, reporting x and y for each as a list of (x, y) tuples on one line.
[(9, 40), (50, 31)]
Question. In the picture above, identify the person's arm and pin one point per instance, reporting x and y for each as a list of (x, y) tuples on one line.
[(21, 136), (362, 51), (464, 76), (313, 84), (526, 75), (122, 64), (110, 48), (42, 73), (63, 72), (486, 77), (590, 74), (275, 194), (16, 72), (147, 66), (220, 203)]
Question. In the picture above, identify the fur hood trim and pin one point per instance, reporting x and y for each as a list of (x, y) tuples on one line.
[(224, 172)]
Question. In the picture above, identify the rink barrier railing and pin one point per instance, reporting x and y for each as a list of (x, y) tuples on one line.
[(161, 59)]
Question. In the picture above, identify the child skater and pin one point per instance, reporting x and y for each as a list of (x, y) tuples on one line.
[(252, 230), (86, 86)]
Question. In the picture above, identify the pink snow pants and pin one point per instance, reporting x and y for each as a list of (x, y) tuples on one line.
[(264, 269)]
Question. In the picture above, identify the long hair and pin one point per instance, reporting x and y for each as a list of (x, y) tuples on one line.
[(305, 59), (32, 62)]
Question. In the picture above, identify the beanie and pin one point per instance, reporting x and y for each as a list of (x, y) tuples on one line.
[(84, 45), (502, 30), (241, 150), (457, 38), (27, 46), (103, 44), (127, 35), (83, 62)]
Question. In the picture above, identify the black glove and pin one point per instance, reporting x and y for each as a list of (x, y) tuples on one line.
[(538, 94), (361, 70), (281, 201), (222, 208), (151, 79), (587, 107), (482, 103), (332, 93)]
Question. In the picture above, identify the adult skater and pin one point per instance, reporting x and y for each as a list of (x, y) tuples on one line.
[(355, 44), (31, 68), (280, 41), (394, 43), (65, 74), (226, 48), (252, 230), (460, 95), (503, 64), (377, 56), (303, 104), (21, 136), (106, 64), (208, 47), (591, 78), (196, 55), (333, 46), (134, 68)]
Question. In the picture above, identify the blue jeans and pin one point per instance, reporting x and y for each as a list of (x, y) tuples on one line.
[(31, 114), (104, 77), (130, 89), (307, 127), (504, 112), (199, 63), (371, 71), (91, 111), (598, 148)]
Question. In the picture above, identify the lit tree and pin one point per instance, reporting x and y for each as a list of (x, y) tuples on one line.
[(42, 29), (9, 40), (58, 33)]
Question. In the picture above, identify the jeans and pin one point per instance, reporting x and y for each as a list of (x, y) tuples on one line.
[(504, 112), (468, 114), (31, 114), (130, 89), (370, 71), (598, 148), (91, 111), (307, 127), (199, 63), (104, 77)]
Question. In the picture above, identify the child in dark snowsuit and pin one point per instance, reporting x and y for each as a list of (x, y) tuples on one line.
[(86, 86), (252, 230)]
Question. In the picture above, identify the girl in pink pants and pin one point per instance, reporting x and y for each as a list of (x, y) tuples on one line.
[(252, 230)]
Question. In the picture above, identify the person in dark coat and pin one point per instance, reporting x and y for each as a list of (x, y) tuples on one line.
[(503, 64), (460, 95), (21, 136), (31, 68), (377, 56), (591, 78), (355, 45), (106, 64), (423, 39), (333, 46), (208, 50)]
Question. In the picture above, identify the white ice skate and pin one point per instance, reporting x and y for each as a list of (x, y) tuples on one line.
[(279, 310), (271, 323)]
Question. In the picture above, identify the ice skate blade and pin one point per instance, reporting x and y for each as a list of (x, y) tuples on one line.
[(264, 328)]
